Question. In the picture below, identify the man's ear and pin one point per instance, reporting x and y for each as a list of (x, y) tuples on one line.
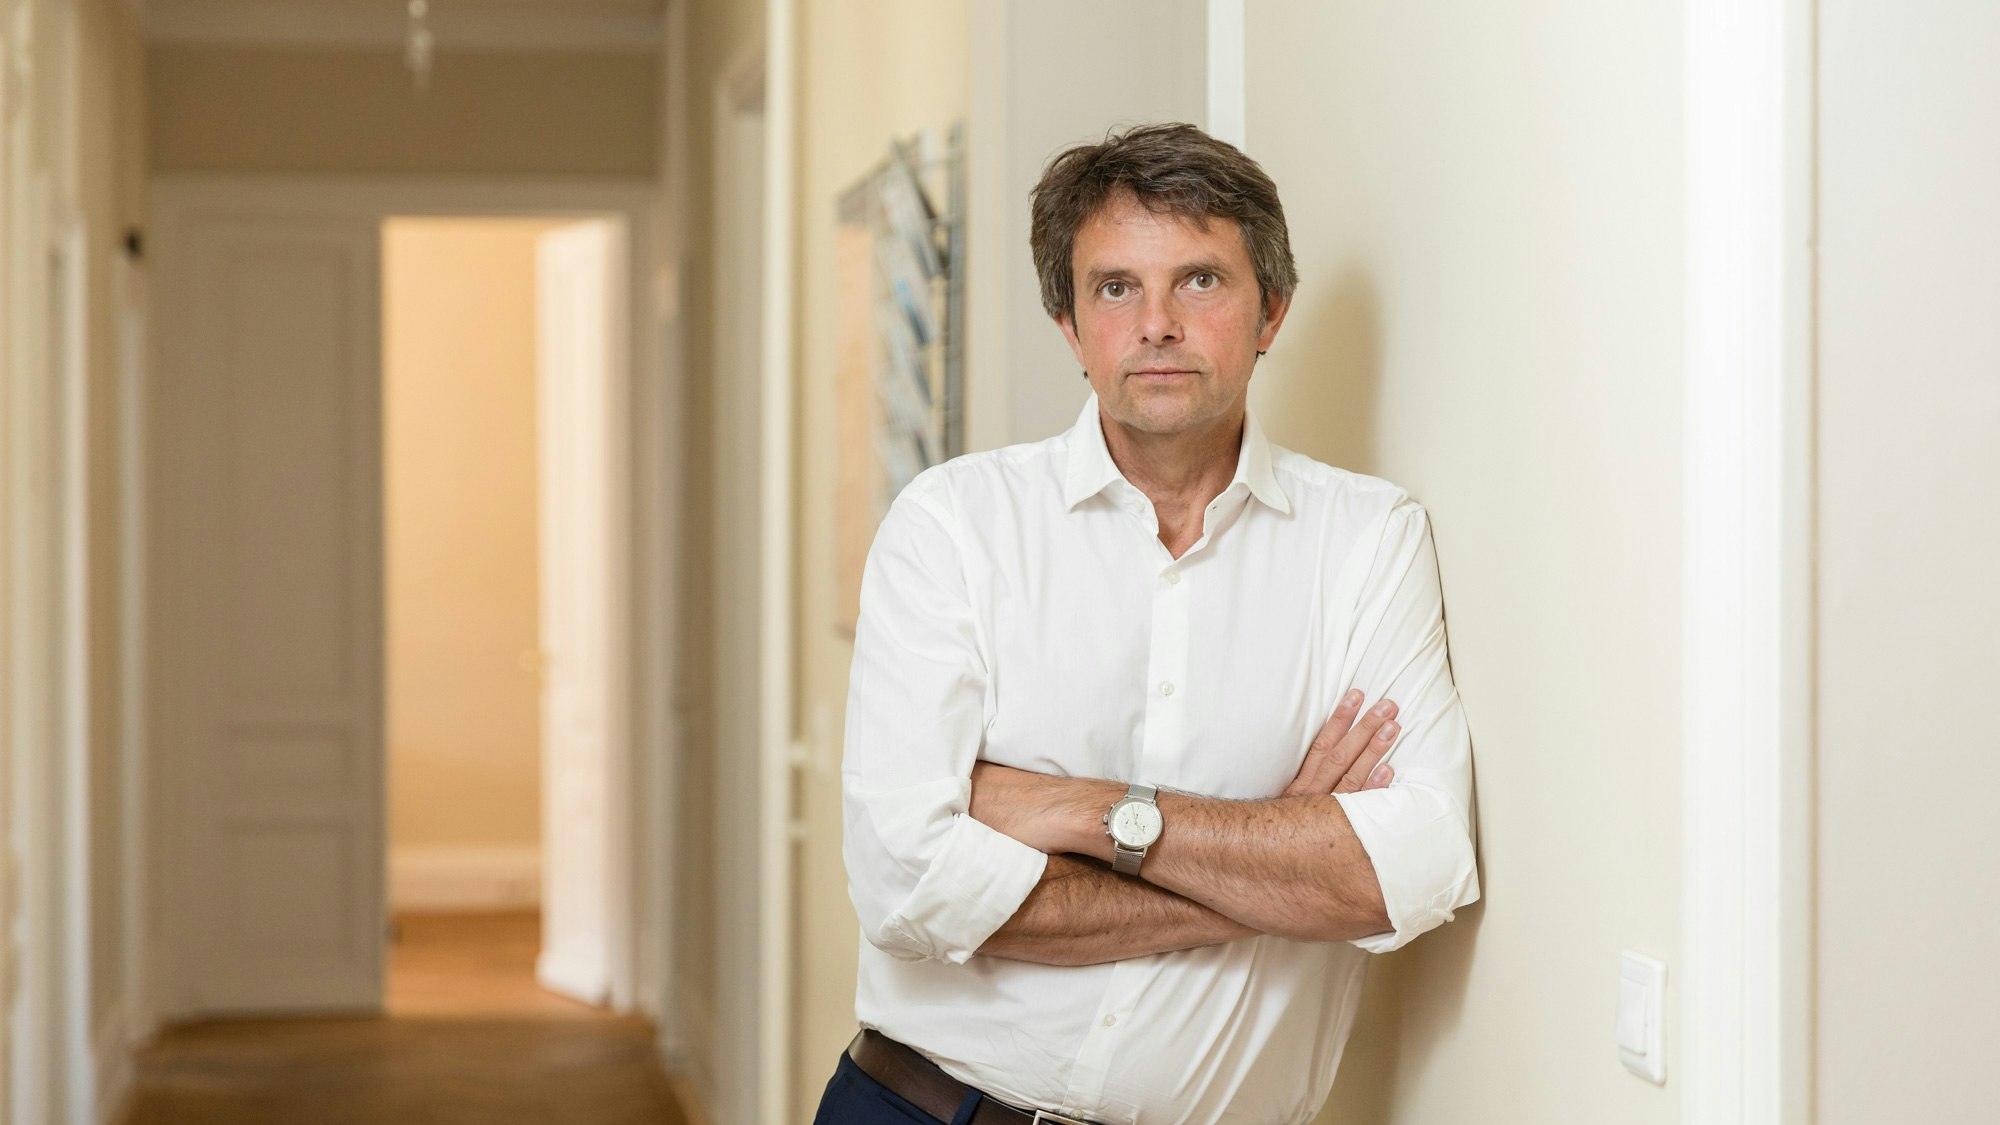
[(1067, 322), (1274, 315)]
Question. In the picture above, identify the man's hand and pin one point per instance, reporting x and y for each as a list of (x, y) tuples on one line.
[(1343, 755)]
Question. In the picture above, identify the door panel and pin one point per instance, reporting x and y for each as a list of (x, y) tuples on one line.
[(268, 635), (579, 324)]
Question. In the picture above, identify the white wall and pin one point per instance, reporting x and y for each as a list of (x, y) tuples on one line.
[(856, 107), (1048, 74), (700, 1002), (71, 164), (1485, 204), (1908, 605)]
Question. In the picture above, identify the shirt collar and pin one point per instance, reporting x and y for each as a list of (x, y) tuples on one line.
[(1091, 468)]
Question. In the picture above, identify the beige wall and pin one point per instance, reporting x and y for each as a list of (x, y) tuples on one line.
[(857, 104), (852, 102), (79, 126), (1908, 608), (1491, 316), (1048, 74), (718, 32), (295, 109), (111, 186), (1485, 203), (461, 585)]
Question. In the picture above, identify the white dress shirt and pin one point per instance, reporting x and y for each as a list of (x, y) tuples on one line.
[(1018, 606)]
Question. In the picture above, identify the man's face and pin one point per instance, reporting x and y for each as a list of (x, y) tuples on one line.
[(1166, 322)]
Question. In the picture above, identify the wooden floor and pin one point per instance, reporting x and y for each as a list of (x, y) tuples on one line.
[(469, 1038)]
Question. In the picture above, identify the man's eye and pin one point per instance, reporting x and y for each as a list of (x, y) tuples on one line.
[(1113, 289), (1202, 281)]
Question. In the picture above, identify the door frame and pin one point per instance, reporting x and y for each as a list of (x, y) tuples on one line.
[(48, 1070), (53, 1069), (754, 92), (644, 767), (1746, 1039), (558, 436)]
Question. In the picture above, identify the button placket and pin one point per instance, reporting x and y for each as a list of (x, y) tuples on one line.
[(1097, 1058), (1158, 743), (1166, 677)]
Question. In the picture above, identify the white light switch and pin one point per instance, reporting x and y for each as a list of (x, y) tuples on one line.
[(1642, 1007)]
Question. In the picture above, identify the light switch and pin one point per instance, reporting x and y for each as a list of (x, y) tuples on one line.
[(1642, 1007)]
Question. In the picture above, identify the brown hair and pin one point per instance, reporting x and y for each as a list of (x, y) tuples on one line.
[(1176, 169)]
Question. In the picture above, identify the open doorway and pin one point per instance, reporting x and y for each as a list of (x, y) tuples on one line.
[(504, 732), (266, 694)]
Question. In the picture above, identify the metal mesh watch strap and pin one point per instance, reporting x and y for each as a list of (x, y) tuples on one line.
[(1124, 860)]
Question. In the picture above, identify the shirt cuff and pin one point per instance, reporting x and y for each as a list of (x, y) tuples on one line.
[(1422, 852), (977, 880)]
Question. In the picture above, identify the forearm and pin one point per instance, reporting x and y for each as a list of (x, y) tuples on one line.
[(1289, 865), (1081, 913)]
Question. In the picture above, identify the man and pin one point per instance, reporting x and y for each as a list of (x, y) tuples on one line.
[(1119, 830)]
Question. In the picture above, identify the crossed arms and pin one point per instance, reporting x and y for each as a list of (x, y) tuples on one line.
[(951, 857), (1290, 865)]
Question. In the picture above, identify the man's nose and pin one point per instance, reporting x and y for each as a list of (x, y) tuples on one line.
[(1159, 319)]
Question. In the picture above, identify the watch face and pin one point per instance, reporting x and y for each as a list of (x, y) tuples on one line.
[(1135, 824)]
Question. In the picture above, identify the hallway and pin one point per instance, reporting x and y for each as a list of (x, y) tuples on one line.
[(470, 1038)]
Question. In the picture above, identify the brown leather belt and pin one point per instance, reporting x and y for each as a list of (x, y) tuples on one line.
[(923, 1084)]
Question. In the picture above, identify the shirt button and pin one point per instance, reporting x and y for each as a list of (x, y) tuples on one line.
[(1173, 578), (1110, 1021), (1166, 687)]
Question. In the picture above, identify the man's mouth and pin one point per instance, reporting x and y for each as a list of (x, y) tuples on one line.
[(1160, 374)]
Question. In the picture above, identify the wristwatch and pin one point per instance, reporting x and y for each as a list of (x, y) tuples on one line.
[(1134, 825)]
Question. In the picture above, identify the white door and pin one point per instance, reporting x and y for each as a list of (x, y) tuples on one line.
[(580, 328), (266, 589)]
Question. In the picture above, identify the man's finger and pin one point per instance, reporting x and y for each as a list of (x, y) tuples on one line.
[(1336, 725), (1355, 743), (1321, 768), (1376, 748)]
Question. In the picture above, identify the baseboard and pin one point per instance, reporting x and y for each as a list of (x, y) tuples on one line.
[(465, 877), (692, 1108), (686, 1043), (578, 980), (114, 1046)]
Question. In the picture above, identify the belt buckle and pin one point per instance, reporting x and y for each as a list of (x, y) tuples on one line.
[(1043, 1115)]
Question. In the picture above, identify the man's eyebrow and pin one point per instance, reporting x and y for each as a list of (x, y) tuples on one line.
[(1095, 277)]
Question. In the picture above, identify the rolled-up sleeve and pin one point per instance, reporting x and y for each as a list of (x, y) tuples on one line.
[(1418, 831), (926, 879)]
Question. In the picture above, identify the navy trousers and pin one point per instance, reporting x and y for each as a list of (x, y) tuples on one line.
[(853, 1098)]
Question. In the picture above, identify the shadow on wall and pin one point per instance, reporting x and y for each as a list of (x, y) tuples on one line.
[(1432, 971), (1412, 999), (1332, 374)]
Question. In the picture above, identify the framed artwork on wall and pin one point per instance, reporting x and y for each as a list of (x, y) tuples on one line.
[(899, 247)]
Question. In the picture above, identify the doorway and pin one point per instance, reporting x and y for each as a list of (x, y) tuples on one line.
[(270, 708), (499, 600)]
